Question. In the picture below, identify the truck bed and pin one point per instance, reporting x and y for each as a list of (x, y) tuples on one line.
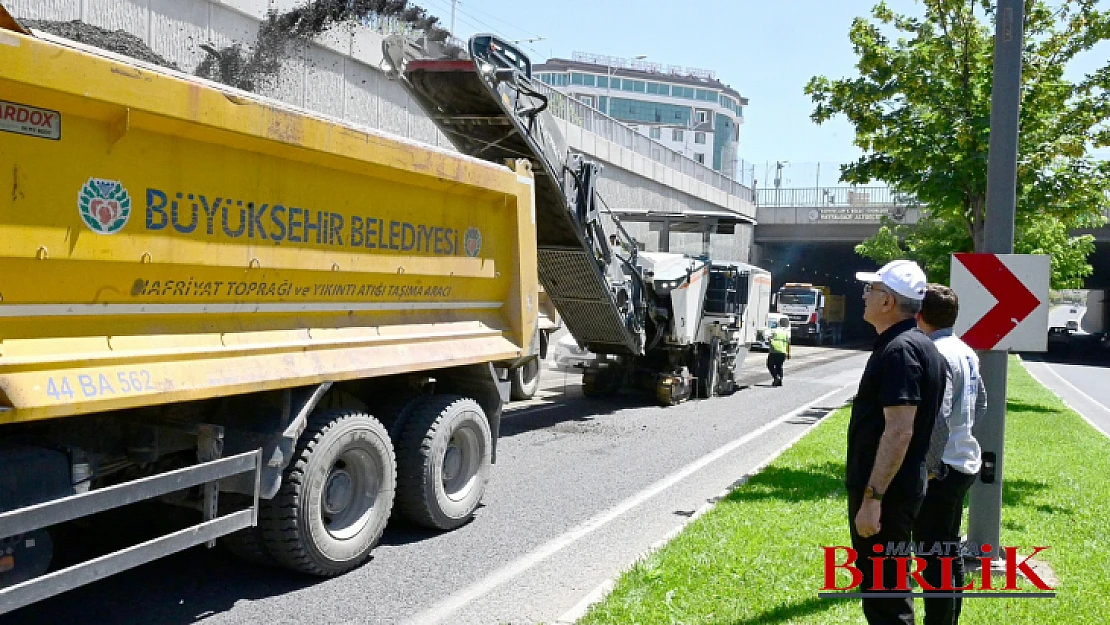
[(163, 238)]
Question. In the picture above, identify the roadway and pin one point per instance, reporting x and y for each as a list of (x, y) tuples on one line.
[(581, 489), (1082, 385)]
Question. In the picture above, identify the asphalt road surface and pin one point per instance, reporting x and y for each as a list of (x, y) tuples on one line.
[(581, 489), (1082, 385)]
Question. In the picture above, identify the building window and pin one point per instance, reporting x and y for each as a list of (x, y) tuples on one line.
[(603, 81), (701, 116), (682, 92), (588, 80), (656, 132), (576, 79), (699, 137), (676, 134), (651, 113), (616, 83), (588, 100), (699, 157)]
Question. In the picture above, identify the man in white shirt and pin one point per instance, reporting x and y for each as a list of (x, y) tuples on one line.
[(936, 530)]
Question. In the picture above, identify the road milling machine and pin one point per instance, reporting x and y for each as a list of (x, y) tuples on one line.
[(666, 322)]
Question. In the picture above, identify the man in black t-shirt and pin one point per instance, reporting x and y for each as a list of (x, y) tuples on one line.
[(892, 418)]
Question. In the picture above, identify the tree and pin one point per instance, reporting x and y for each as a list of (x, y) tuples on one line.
[(921, 109)]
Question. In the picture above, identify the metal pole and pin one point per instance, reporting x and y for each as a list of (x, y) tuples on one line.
[(454, 3), (608, 87), (985, 508)]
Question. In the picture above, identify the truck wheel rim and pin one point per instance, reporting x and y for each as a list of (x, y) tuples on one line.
[(461, 461), (350, 492)]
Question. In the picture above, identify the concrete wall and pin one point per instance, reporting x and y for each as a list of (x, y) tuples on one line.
[(338, 75)]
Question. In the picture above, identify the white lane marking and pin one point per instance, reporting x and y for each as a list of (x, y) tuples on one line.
[(444, 608), (82, 310), (1079, 412)]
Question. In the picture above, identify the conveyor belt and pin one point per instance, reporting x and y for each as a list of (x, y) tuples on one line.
[(489, 110)]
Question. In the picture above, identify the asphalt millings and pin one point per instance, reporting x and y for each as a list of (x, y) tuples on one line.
[(118, 41)]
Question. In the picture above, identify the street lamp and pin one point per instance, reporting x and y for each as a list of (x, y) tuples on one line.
[(778, 180), (609, 82)]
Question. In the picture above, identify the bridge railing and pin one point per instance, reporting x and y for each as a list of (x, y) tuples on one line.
[(592, 120), (822, 197)]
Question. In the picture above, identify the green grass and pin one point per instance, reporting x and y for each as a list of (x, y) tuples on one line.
[(756, 557)]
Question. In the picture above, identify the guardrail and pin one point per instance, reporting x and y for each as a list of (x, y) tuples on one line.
[(592, 120), (820, 197), (24, 520)]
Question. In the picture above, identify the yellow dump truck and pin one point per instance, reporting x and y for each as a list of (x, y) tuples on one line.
[(292, 324)]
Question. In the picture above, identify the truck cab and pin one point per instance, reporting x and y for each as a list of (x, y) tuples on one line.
[(815, 314)]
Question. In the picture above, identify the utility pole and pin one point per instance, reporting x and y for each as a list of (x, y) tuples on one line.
[(454, 3), (985, 508)]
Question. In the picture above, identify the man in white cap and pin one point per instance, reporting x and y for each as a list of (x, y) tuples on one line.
[(899, 396)]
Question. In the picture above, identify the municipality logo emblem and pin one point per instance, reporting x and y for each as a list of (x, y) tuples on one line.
[(104, 205), (472, 242)]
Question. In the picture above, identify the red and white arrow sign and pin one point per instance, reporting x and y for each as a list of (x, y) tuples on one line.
[(1003, 300)]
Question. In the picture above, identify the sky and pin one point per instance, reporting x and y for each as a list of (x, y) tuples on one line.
[(765, 49)]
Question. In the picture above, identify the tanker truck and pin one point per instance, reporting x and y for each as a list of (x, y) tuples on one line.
[(293, 325)]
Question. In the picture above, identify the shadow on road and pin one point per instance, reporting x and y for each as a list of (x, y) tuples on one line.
[(187, 587), (1089, 353), (543, 416), (811, 415), (184, 588)]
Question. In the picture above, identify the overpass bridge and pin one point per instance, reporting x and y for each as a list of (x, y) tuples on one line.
[(841, 214), (809, 234)]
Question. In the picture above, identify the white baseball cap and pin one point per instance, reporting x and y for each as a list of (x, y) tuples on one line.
[(903, 277)]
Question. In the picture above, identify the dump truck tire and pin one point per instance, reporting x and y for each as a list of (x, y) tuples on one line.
[(336, 495), (524, 380), (249, 545), (443, 458)]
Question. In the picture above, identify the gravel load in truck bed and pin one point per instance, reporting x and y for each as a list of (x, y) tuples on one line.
[(119, 41)]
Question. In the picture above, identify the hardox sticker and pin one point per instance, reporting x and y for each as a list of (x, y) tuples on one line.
[(29, 120)]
